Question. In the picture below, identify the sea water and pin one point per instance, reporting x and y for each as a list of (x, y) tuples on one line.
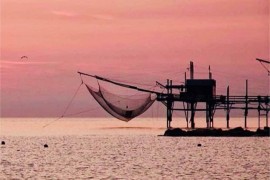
[(104, 148)]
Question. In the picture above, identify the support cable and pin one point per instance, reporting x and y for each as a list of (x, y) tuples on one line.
[(67, 107)]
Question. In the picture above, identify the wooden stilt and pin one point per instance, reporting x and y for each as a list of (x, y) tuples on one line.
[(207, 115), (192, 116), (228, 107), (246, 102)]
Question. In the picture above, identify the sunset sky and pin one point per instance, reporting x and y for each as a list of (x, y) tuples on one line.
[(135, 41)]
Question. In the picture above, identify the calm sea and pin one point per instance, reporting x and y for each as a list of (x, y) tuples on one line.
[(100, 148)]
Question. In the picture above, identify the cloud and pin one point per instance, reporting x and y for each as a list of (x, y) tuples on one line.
[(10, 64), (64, 13), (27, 62), (102, 16)]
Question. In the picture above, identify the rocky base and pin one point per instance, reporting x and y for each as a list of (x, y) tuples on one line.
[(235, 132)]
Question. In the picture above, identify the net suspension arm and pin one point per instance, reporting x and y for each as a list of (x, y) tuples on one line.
[(261, 60), (119, 84), (262, 63)]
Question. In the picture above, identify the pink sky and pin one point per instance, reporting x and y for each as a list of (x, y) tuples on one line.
[(136, 41)]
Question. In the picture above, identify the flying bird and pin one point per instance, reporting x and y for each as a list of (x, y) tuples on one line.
[(24, 57)]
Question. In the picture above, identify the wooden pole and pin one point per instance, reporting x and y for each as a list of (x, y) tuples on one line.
[(228, 107), (191, 68), (186, 112), (192, 116), (246, 102), (185, 78), (168, 103), (207, 114), (171, 104), (267, 110), (210, 74), (211, 115), (259, 112)]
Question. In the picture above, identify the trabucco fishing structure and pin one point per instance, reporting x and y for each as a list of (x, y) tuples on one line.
[(189, 94)]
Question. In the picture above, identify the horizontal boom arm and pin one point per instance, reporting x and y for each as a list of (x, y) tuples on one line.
[(119, 84), (264, 61)]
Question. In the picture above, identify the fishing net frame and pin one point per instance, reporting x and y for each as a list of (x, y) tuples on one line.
[(122, 107)]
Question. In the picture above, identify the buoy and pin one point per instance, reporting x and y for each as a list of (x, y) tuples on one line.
[(3, 143), (46, 145), (199, 145)]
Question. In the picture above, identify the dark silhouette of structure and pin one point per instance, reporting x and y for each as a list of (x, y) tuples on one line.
[(192, 92), (204, 91)]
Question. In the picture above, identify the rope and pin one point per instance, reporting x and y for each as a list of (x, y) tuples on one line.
[(72, 99), (63, 114), (84, 111), (49, 123), (265, 68)]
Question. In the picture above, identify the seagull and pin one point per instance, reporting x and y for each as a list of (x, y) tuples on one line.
[(24, 57)]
